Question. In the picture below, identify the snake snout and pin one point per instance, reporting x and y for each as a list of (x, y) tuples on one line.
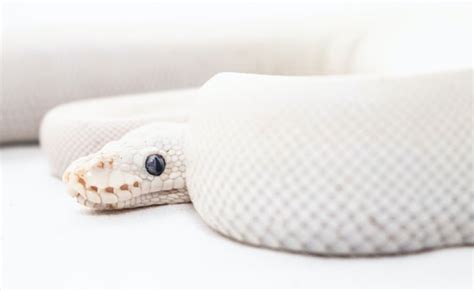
[(97, 183)]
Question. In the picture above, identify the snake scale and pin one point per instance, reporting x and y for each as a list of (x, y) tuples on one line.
[(327, 165)]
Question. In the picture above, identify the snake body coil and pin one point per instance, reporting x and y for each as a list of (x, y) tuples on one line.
[(355, 165)]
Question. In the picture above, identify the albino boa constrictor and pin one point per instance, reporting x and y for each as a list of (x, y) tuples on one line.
[(336, 165)]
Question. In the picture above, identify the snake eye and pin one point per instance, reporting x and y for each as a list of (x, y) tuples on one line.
[(155, 164)]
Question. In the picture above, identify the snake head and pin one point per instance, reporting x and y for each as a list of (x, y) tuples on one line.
[(144, 167)]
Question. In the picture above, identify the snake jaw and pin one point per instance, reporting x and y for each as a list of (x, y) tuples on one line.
[(96, 182)]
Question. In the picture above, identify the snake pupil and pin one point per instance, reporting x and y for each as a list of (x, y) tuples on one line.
[(155, 164)]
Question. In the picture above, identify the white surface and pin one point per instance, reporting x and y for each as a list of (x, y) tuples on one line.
[(49, 241)]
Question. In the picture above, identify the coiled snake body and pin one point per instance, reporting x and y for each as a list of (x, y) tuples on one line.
[(356, 165)]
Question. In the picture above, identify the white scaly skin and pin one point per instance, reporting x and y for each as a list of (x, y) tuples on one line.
[(116, 177), (335, 166)]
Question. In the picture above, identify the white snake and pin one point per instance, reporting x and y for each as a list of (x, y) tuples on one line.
[(355, 164), (342, 165)]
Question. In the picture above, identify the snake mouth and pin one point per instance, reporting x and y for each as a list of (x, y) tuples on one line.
[(97, 184), (108, 197), (125, 196)]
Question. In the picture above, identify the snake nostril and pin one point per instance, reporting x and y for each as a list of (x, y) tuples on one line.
[(155, 164)]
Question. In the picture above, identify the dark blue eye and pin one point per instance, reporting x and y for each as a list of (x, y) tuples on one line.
[(155, 164)]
